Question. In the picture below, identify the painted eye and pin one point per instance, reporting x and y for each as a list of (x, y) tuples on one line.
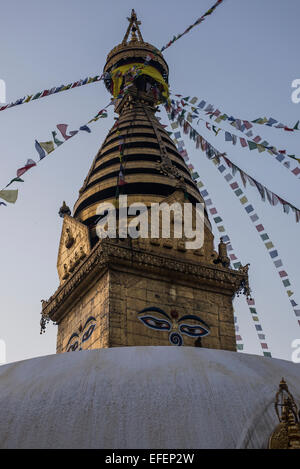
[(73, 343), (88, 333), (73, 347), (155, 323), (193, 331)]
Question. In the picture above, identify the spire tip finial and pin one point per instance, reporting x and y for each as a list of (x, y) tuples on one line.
[(133, 27)]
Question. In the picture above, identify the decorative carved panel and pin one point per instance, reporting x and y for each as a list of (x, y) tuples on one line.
[(74, 246)]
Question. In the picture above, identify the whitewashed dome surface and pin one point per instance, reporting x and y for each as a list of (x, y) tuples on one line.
[(142, 397)]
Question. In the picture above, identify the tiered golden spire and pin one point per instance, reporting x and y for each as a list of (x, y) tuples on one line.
[(287, 434), (139, 160), (150, 161)]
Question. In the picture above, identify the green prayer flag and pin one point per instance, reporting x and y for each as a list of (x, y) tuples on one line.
[(56, 141), (15, 180), (36, 96), (252, 145)]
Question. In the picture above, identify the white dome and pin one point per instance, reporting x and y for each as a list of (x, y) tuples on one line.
[(142, 397)]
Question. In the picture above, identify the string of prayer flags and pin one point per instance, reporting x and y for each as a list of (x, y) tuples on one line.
[(211, 152), (255, 143), (219, 224), (238, 337), (9, 196), (121, 180), (215, 156), (43, 148), (264, 236), (101, 114), (261, 147), (270, 122), (218, 220), (198, 21), (121, 176), (54, 90)]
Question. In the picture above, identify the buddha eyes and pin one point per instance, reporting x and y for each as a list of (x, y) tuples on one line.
[(85, 334), (88, 333), (155, 323), (73, 347), (176, 326), (193, 331)]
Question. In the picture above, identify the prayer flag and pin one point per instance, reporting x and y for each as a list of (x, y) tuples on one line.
[(40, 150), (14, 180), (86, 128), (29, 164), (9, 196), (63, 130), (47, 146), (56, 141)]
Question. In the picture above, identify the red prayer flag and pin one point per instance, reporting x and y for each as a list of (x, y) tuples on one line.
[(243, 142), (283, 273), (63, 130), (259, 228), (28, 165)]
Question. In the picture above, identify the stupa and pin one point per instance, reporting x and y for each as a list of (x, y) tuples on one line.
[(122, 291), (128, 298)]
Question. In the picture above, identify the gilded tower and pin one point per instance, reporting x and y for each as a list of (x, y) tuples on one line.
[(125, 291)]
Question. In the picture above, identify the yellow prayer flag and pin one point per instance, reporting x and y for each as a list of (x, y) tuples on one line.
[(47, 146), (260, 148), (243, 200), (9, 196)]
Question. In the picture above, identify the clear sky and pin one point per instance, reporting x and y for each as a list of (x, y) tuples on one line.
[(243, 59)]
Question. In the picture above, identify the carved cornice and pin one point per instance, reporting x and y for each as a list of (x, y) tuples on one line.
[(113, 252)]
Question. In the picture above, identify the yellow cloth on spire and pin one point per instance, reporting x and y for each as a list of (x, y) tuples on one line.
[(118, 73)]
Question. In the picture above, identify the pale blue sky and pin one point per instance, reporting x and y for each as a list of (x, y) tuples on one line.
[(243, 59)]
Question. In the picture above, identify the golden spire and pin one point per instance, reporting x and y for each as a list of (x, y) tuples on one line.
[(134, 28), (287, 434)]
